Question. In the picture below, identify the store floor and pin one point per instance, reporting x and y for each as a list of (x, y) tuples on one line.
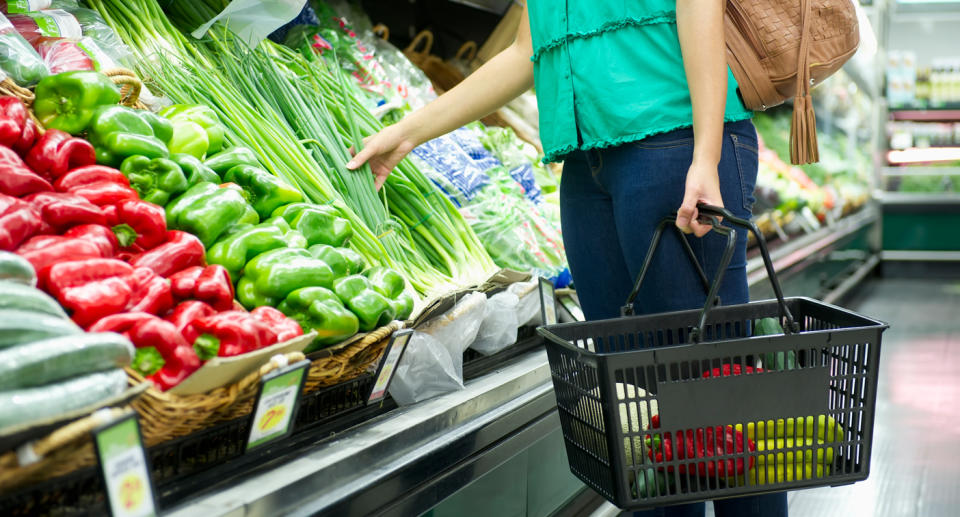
[(916, 444)]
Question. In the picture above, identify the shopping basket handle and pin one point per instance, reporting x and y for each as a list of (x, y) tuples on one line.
[(709, 214)]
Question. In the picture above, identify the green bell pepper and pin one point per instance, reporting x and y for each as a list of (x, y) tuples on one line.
[(240, 246), (208, 211), (372, 308), (343, 261), (202, 116), (270, 277), (117, 132), (226, 160), (189, 138), (265, 191), (391, 284), (67, 101), (156, 180), (320, 224), (194, 169), (319, 309)]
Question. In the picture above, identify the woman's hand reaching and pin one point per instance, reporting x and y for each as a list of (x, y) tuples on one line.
[(383, 151), (703, 186)]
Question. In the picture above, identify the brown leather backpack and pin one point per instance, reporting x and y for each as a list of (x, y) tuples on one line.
[(779, 49)]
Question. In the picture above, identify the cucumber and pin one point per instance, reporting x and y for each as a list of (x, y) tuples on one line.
[(19, 327), (56, 359), (26, 298), (15, 268), (767, 327), (33, 405)]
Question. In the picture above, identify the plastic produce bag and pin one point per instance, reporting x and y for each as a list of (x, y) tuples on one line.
[(18, 59), (93, 26), (52, 23), (253, 20), (528, 306), (25, 6), (447, 158), (433, 362), (64, 55), (499, 328)]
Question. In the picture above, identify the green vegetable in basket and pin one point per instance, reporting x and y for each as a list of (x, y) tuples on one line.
[(18, 59), (777, 361)]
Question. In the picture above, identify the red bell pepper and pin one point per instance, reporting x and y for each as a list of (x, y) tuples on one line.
[(56, 152), (151, 292), (232, 333), (700, 444), (62, 210), (726, 371), (104, 238), (28, 138), (186, 314), (43, 251), (285, 328), (20, 181), (90, 174), (91, 289), (13, 116), (210, 284), (120, 323), (105, 193), (147, 220), (179, 251), (178, 356), (19, 221)]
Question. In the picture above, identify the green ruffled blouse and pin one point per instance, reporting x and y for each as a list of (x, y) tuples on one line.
[(613, 69)]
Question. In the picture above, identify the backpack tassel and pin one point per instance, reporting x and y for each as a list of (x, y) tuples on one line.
[(803, 131)]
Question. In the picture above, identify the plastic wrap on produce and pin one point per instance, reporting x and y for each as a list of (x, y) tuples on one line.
[(447, 158), (93, 26), (499, 328), (433, 362), (64, 55), (18, 60), (253, 20)]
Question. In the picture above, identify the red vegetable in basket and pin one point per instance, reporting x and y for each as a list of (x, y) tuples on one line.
[(146, 219), (43, 251), (179, 358), (233, 333), (27, 139), (56, 152), (16, 179), (104, 238), (700, 444), (88, 175), (151, 292), (91, 289), (727, 371), (285, 328), (19, 221), (179, 251), (186, 314), (120, 323), (13, 118), (63, 210), (210, 284)]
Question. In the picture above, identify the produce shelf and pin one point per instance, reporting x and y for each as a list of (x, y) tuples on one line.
[(946, 114)]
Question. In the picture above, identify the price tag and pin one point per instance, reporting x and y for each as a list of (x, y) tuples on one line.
[(388, 365), (571, 307), (548, 303), (123, 464), (276, 404)]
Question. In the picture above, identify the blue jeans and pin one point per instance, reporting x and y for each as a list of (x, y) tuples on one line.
[(611, 202)]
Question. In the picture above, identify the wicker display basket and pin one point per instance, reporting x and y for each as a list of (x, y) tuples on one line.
[(348, 361), (164, 416), (61, 452)]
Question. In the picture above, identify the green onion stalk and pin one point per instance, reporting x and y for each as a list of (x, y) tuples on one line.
[(186, 74)]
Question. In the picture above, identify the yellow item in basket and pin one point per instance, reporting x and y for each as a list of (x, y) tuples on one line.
[(786, 464), (828, 430)]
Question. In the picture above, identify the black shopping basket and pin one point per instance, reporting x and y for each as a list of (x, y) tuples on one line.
[(695, 405)]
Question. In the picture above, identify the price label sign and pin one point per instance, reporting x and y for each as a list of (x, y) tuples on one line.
[(548, 302), (276, 404), (123, 464), (388, 365), (572, 308)]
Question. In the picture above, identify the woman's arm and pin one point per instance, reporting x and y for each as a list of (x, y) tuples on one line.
[(491, 86), (700, 26)]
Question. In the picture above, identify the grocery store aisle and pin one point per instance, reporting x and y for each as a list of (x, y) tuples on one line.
[(916, 456)]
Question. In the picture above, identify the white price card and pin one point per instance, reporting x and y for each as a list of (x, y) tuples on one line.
[(388, 365), (548, 302), (276, 404), (126, 474)]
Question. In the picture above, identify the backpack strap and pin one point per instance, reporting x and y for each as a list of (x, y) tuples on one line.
[(803, 127)]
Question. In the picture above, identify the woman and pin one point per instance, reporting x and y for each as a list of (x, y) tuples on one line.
[(637, 100)]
